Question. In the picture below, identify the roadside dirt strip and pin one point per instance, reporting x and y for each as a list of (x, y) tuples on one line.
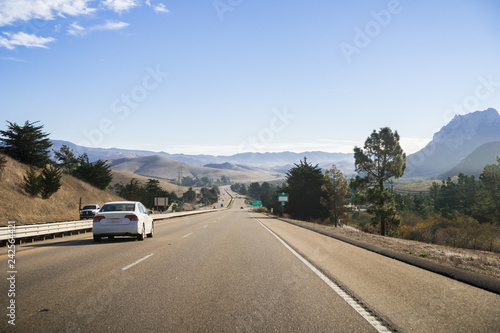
[(408, 297)]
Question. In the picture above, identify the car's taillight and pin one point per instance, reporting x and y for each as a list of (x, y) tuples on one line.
[(132, 217), (98, 218)]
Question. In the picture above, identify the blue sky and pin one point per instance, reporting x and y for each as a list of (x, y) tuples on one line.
[(230, 76)]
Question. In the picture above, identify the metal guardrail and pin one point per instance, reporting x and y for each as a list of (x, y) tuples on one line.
[(34, 230), (19, 232)]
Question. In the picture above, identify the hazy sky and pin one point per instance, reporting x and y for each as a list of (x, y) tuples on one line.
[(230, 76)]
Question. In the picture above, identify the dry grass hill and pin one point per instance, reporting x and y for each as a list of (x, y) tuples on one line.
[(17, 206), (124, 178), (166, 168)]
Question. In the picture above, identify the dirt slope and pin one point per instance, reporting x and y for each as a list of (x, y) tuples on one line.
[(17, 206)]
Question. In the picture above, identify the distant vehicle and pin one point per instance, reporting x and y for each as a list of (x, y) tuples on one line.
[(123, 218), (88, 211), (241, 207)]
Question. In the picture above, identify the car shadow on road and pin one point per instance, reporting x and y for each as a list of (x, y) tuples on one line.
[(77, 242)]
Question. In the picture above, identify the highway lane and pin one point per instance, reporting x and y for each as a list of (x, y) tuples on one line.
[(413, 299), (215, 272)]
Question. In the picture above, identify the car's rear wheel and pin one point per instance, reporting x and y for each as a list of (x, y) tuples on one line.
[(142, 234), (97, 238), (150, 235)]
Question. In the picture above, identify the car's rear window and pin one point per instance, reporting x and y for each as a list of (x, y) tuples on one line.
[(90, 207), (118, 208)]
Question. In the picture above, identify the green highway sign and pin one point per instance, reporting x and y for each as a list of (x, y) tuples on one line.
[(257, 203), (283, 197)]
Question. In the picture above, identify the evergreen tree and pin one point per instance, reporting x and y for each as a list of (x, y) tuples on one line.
[(96, 174), (209, 196), (66, 158), (189, 195), (254, 190), (304, 183), (26, 144), (381, 159), (133, 191), (487, 207), (32, 182), (335, 188), (51, 181)]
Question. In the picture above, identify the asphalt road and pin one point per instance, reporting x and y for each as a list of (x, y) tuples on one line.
[(217, 272), (227, 272)]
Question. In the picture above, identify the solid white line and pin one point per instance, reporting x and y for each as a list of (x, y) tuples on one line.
[(379, 326), (135, 263), (187, 235)]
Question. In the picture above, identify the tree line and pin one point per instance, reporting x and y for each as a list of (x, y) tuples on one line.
[(460, 212), (204, 181), (464, 195)]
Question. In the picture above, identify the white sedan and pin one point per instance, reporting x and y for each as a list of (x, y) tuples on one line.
[(122, 218)]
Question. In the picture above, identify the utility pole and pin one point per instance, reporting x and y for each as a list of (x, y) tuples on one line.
[(179, 180)]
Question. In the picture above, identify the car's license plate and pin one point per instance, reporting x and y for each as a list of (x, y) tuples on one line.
[(114, 220)]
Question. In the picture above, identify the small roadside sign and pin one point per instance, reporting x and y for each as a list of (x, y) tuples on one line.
[(283, 197)]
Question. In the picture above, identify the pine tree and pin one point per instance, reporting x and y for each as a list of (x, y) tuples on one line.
[(26, 144), (335, 188), (96, 174), (66, 158), (304, 183), (51, 181), (488, 195), (381, 159), (32, 182)]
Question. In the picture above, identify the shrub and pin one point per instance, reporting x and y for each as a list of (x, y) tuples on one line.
[(51, 181), (3, 162), (461, 231), (360, 218), (32, 182)]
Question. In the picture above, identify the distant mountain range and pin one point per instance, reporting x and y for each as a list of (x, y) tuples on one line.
[(245, 162), (474, 163), (162, 167), (466, 144), (454, 143)]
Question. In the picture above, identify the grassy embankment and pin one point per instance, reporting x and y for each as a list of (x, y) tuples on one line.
[(16, 205)]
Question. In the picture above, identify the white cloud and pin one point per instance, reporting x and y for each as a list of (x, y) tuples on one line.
[(23, 39), (120, 6), (160, 8), (25, 10), (109, 25), (77, 30), (13, 59)]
